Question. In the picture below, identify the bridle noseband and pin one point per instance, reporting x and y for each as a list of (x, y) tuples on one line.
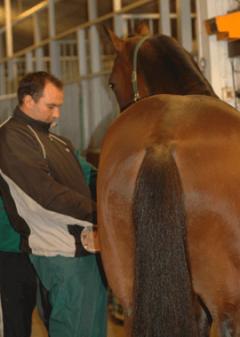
[(136, 95)]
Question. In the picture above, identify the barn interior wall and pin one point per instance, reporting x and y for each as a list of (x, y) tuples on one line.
[(215, 52), (81, 58)]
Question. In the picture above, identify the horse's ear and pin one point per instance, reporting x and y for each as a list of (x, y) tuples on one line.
[(115, 40), (143, 28)]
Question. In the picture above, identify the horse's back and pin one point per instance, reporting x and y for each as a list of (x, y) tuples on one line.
[(164, 118)]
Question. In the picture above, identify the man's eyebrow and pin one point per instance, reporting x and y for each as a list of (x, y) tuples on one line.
[(54, 104)]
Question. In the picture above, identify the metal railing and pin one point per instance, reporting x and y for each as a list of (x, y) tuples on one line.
[(77, 57)]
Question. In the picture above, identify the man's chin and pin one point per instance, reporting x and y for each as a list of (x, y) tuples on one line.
[(53, 124)]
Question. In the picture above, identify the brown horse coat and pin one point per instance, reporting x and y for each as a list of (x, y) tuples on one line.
[(202, 134)]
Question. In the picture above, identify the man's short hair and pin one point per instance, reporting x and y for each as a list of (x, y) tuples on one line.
[(33, 84)]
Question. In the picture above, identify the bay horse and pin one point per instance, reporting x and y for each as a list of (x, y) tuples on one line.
[(168, 195)]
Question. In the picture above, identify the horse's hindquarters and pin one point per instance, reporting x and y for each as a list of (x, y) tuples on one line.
[(115, 194), (210, 173)]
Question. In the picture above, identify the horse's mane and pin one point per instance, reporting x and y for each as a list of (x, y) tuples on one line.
[(168, 65)]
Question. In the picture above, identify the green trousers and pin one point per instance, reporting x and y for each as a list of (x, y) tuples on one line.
[(77, 294)]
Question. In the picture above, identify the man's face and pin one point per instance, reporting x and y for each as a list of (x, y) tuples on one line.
[(47, 108)]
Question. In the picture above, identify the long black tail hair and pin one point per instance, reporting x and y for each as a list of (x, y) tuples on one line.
[(163, 298)]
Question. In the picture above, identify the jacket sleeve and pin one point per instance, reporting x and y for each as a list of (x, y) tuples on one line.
[(25, 170), (90, 174)]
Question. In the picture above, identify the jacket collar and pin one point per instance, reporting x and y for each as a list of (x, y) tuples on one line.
[(19, 115)]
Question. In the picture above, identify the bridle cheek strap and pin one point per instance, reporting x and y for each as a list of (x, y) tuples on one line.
[(136, 95)]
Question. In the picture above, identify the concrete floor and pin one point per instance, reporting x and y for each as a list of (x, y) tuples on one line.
[(38, 329), (114, 330)]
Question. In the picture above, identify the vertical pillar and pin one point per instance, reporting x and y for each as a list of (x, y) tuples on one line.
[(9, 48), (84, 98), (2, 71), (214, 52), (124, 27), (9, 44), (164, 19), (8, 23), (184, 24), (12, 76), (95, 64), (94, 38), (117, 20), (37, 38), (29, 62), (54, 49)]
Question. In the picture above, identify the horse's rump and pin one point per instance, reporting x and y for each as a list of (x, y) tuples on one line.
[(203, 135)]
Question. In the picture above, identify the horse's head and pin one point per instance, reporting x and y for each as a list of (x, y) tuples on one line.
[(126, 80), (147, 65)]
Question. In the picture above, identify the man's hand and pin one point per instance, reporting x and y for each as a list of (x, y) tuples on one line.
[(90, 240)]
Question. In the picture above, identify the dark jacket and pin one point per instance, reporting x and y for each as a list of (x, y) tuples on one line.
[(43, 187)]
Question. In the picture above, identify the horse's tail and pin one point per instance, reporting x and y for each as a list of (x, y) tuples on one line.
[(163, 292)]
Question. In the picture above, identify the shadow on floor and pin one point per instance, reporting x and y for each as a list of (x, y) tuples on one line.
[(38, 329)]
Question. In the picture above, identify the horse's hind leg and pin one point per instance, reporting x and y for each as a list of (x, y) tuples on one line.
[(223, 329), (229, 325), (128, 323), (227, 328), (203, 318)]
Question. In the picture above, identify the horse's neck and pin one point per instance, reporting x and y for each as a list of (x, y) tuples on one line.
[(163, 75), (198, 84), (169, 82)]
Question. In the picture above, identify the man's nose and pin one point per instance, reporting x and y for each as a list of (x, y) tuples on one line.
[(56, 112)]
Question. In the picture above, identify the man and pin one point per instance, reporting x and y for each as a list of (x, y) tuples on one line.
[(50, 205)]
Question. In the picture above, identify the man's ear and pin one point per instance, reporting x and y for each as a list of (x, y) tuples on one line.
[(28, 101), (116, 42), (143, 29)]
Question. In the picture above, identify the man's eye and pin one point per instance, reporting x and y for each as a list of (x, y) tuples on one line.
[(110, 85), (50, 106)]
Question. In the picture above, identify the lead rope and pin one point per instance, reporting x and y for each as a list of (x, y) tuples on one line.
[(136, 95)]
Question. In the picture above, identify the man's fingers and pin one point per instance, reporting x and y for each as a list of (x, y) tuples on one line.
[(90, 242)]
